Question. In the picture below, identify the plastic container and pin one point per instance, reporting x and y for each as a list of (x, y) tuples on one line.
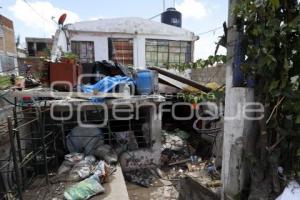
[(126, 90), (144, 82)]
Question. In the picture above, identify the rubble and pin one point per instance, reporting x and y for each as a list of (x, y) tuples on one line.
[(69, 162), (179, 160), (91, 185), (106, 153), (143, 177)]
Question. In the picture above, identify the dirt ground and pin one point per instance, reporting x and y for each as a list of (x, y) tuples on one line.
[(158, 191)]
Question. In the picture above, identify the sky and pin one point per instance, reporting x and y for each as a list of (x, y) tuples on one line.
[(33, 18)]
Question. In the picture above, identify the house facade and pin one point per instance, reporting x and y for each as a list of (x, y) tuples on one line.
[(38, 47), (8, 49), (131, 41)]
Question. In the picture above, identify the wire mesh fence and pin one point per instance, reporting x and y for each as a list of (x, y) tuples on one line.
[(8, 65)]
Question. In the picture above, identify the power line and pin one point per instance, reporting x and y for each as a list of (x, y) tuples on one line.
[(209, 31), (36, 12), (155, 16)]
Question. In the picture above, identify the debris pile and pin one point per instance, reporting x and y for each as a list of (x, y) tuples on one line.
[(178, 161), (86, 169)]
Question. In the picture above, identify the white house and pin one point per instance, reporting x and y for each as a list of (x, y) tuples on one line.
[(132, 41)]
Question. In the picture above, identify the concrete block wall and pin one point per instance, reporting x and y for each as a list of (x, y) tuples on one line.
[(37, 65), (210, 74)]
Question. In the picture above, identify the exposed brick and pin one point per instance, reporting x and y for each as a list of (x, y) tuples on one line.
[(6, 22)]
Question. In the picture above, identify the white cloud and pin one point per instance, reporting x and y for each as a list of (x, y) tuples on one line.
[(39, 16), (206, 46), (192, 9)]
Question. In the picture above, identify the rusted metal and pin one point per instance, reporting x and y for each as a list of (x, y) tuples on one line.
[(14, 155), (65, 72)]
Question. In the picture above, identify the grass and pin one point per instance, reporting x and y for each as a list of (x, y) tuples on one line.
[(4, 82)]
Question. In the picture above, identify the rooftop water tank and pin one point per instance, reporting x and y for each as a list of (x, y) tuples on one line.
[(172, 17)]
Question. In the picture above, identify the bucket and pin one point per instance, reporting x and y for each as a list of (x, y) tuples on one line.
[(144, 82)]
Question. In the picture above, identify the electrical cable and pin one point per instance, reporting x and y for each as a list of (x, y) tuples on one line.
[(36, 12), (209, 31), (155, 16)]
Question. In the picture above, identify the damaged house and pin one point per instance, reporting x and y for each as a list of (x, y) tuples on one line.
[(59, 137)]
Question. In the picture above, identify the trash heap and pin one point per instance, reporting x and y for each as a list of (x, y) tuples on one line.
[(179, 160), (87, 173)]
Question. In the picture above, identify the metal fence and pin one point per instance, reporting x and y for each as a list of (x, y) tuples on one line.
[(8, 65)]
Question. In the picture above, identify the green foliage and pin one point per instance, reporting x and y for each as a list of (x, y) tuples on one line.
[(217, 96), (70, 56), (200, 63), (271, 30), (4, 82)]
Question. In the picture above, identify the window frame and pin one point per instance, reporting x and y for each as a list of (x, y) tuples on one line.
[(76, 49), (111, 49), (160, 43)]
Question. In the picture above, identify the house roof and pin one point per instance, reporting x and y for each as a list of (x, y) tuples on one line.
[(131, 25), (34, 39)]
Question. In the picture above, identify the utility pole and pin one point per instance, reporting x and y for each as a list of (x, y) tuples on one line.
[(238, 130)]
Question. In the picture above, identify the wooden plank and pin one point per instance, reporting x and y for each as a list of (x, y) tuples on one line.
[(181, 79)]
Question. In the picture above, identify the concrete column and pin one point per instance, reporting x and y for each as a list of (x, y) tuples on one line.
[(238, 131), (146, 157), (139, 56)]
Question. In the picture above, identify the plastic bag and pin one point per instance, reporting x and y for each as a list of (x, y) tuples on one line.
[(81, 170), (105, 152), (84, 189), (69, 162), (90, 159), (74, 157), (84, 140)]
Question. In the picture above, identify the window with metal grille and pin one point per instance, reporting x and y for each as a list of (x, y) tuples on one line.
[(7, 64), (121, 50), (85, 51), (161, 52)]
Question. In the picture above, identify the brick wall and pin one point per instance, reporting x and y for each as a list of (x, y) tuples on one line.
[(8, 45), (1, 44), (6, 22), (210, 74), (39, 68)]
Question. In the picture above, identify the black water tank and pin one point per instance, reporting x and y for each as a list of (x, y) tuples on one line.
[(172, 17)]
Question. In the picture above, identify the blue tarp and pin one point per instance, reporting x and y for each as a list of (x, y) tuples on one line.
[(106, 84)]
